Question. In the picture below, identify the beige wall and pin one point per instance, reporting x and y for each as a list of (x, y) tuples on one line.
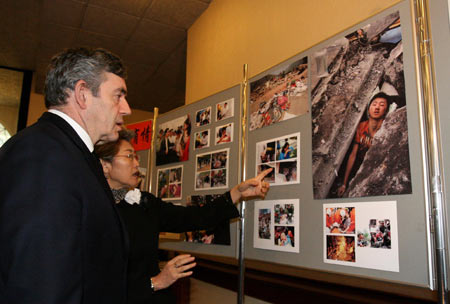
[(261, 33)]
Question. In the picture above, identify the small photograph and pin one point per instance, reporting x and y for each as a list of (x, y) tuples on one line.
[(203, 117), (201, 139), (266, 152), (281, 154), (224, 134), (341, 248), (284, 214), (175, 191), (264, 218), (219, 160), (284, 236), (163, 183), (340, 220), (212, 170), (219, 178), (279, 96), (270, 178), (286, 172), (175, 175), (380, 233), (172, 142), (203, 181), (225, 109), (363, 238), (287, 148), (170, 183), (203, 162), (220, 234)]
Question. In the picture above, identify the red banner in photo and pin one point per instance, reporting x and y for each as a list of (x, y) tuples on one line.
[(143, 135)]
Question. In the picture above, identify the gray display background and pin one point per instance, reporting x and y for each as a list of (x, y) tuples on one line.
[(189, 166), (411, 209), (412, 233)]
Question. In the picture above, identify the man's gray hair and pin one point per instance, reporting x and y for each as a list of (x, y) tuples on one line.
[(72, 65)]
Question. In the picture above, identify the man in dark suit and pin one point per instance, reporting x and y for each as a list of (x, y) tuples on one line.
[(61, 238)]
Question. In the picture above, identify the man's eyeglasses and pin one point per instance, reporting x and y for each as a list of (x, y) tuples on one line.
[(130, 156)]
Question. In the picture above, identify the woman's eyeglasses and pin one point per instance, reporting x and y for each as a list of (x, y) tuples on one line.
[(130, 156)]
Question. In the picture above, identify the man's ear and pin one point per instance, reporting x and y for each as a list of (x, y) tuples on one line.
[(81, 91), (106, 167)]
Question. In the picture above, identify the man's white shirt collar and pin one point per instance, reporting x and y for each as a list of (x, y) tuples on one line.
[(79, 129)]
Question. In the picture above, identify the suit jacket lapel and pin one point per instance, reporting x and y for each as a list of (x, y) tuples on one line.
[(93, 162)]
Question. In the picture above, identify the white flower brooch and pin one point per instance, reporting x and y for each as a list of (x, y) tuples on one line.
[(133, 196)]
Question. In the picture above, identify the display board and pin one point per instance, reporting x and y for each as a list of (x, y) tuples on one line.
[(375, 226), (339, 125), (211, 168)]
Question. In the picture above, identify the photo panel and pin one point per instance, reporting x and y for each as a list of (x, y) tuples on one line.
[(282, 154), (279, 96), (225, 109), (276, 225), (203, 117), (211, 170), (224, 134), (169, 186), (201, 139), (219, 235), (172, 142), (362, 235), (359, 114)]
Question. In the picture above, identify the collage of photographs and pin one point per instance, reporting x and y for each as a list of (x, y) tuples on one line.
[(276, 225), (361, 235), (282, 154), (211, 170)]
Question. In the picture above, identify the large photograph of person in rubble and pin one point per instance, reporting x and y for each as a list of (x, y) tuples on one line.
[(280, 95), (358, 108)]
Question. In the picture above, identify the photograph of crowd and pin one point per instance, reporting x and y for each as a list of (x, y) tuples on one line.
[(264, 220), (224, 134), (279, 96), (355, 232), (341, 248), (172, 142), (225, 109), (359, 117), (340, 220), (284, 214), (201, 139), (281, 154), (216, 235), (211, 170), (276, 225), (170, 183), (203, 117)]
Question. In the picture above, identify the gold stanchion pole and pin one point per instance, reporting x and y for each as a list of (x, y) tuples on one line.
[(152, 147), (242, 177)]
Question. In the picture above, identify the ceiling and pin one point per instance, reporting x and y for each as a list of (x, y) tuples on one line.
[(149, 35)]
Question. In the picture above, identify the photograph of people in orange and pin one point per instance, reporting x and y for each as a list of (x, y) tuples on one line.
[(363, 233)]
